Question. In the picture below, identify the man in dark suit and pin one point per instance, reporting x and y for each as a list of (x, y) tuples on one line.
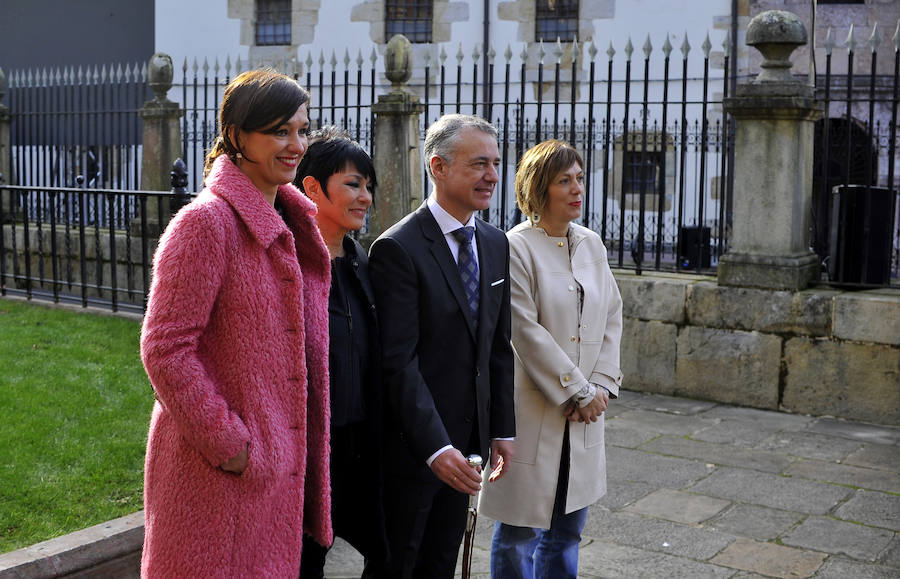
[(443, 302)]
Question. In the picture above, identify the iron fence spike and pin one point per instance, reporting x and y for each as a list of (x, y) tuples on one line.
[(216, 67), (476, 54), (205, 66), (359, 58), (706, 46), (896, 37), (558, 50), (373, 56), (829, 42), (685, 46), (541, 52), (491, 55), (629, 49), (647, 48), (459, 54), (592, 49), (726, 44), (443, 55), (667, 46), (195, 67), (875, 38), (321, 59), (228, 65), (524, 54), (347, 59), (850, 44), (610, 52)]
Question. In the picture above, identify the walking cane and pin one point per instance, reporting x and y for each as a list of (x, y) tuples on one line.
[(471, 516)]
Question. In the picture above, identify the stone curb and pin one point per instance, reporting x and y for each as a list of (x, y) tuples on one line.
[(110, 549)]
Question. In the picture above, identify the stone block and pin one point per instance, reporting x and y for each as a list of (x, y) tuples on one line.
[(648, 355), (839, 538), (761, 523), (810, 445), (662, 471), (868, 316), (606, 559), (806, 312), (654, 297), (678, 506), (872, 455), (656, 535), (839, 568), (718, 454), (868, 433), (771, 490), (733, 367), (769, 559), (855, 381), (845, 474), (872, 508)]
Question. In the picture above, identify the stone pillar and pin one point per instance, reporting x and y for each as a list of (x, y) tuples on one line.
[(773, 170), (397, 155), (5, 168), (162, 138)]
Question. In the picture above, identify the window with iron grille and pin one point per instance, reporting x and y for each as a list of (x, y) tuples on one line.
[(273, 22), (411, 18), (637, 177), (556, 19)]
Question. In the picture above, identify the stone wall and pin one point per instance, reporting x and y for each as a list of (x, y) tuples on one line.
[(819, 351)]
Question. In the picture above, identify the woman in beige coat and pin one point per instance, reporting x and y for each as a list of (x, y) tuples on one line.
[(566, 327)]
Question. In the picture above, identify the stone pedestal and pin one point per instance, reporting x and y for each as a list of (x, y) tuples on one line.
[(397, 155), (773, 170), (162, 140), (5, 168)]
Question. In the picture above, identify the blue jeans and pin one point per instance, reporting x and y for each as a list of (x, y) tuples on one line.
[(526, 553)]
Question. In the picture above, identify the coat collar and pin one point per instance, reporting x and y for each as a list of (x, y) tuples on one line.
[(576, 234), (228, 182)]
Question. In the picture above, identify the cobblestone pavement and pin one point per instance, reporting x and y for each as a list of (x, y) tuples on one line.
[(700, 489)]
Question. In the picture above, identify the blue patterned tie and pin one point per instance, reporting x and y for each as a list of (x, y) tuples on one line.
[(468, 267)]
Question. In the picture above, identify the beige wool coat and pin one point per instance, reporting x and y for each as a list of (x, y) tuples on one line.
[(556, 354)]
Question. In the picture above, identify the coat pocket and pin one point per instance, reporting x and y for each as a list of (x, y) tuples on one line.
[(593, 432), (529, 420)]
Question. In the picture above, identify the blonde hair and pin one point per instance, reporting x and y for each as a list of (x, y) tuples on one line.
[(538, 167)]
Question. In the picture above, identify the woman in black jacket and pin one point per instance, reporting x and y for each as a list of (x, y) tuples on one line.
[(338, 176)]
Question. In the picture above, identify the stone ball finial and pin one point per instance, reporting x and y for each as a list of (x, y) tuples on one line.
[(159, 75), (776, 34), (398, 60)]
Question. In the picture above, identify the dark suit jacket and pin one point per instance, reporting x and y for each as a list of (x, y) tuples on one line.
[(439, 375)]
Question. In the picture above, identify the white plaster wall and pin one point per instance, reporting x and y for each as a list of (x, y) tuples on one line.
[(197, 29)]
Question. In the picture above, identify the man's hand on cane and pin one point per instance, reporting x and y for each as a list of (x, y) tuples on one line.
[(453, 468)]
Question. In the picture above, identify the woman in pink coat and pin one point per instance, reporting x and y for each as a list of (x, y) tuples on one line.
[(235, 342)]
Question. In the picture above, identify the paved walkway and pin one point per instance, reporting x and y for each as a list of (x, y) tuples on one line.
[(699, 489)]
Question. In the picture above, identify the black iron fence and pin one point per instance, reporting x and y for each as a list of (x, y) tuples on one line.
[(658, 149)]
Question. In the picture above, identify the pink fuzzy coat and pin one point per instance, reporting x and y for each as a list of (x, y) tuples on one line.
[(235, 341)]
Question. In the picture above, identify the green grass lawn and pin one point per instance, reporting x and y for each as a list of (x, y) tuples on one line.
[(74, 410)]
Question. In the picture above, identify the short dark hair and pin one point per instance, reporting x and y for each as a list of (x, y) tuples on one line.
[(255, 100), (330, 151)]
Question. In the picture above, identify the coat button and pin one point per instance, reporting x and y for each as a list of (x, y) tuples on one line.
[(572, 339), (566, 378), (559, 243), (571, 288)]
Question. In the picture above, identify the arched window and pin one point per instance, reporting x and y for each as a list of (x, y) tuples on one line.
[(273, 22), (556, 19), (411, 18)]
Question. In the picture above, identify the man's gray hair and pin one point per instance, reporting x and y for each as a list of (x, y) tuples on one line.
[(442, 135)]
